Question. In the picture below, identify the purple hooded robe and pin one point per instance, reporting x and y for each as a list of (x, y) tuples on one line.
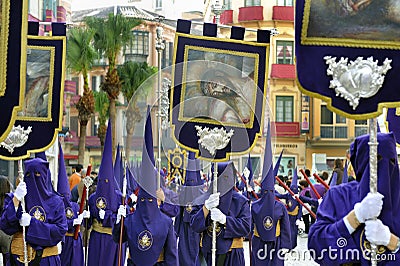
[(149, 232), (72, 250), (271, 225), (102, 249), (330, 232), (48, 224), (238, 218), (189, 240)]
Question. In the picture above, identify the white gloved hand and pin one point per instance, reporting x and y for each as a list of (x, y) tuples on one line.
[(212, 201), (78, 220), (133, 197), (250, 189), (217, 215), (298, 222), (102, 213), (319, 201), (20, 191), (370, 207), (121, 212), (377, 233), (246, 172), (295, 195), (25, 219), (86, 214)]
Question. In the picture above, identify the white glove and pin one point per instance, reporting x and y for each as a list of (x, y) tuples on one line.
[(377, 233), (295, 195), (319, 201), (298, 222), (212, 201), (250, 189), (20, 191), (370, 207), (25, 219), (217, 215), (86, 214), (133, 197), (121, 212), (246, 172), (78, 220), (102, 213)]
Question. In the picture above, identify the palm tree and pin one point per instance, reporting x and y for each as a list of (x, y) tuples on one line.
[(102, 104), (80, 57), (111, 35), (132, 75)]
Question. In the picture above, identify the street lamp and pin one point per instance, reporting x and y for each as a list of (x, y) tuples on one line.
[(217, 8)]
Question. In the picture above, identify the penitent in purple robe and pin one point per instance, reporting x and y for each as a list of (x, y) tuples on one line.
[(237, 225), (102, 249), (282, 241), (238, 218), (294, 210), (329, 232), (189, 240), (48, 224), (72, 250)]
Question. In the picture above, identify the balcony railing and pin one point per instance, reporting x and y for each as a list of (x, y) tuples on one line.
[(286, 129), (249, 13), (334, 132), (285, 13), (283, 71)]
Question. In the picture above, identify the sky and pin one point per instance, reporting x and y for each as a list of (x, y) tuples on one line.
[(187, 5)]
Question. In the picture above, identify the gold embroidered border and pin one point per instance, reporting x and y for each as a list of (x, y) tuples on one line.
[(345, 42)]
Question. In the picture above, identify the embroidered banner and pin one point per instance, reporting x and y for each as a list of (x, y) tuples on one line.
[(218, 83), (347, 54), (13, 32), (41, 114)]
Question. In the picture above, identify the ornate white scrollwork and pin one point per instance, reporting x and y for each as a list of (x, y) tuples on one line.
[(358, 79), (17, 137), (214, 139), (164, 103)]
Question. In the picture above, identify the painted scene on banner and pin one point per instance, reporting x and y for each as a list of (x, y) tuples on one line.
[(351, 19), (219, 87)]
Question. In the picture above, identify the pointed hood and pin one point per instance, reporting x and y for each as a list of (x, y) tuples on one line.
[(294, 185), (345, 178), (250, 167), (42, 155), (277, 164), (35, 177), (106, 195), (148, 221), (63, 185), (388, 175), (148, 172), (333, 180), (192, 187), (118, 174), (263, 210)]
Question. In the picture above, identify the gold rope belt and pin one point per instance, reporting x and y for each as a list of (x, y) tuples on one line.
[(17, 248), (69, 234), (99, 228), (295, 211), (277, 232), (160, 258), (236, 242)]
